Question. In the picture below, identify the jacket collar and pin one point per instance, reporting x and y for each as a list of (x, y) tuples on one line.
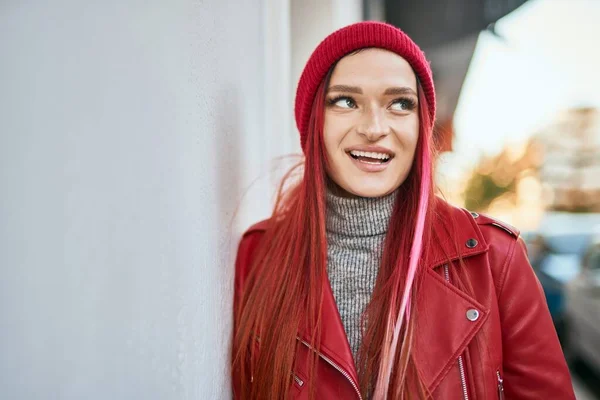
[(456, 235)]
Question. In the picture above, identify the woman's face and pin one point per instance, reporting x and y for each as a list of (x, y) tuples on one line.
[(371, 123)]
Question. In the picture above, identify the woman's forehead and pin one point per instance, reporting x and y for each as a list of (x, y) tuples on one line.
[(374, 67)]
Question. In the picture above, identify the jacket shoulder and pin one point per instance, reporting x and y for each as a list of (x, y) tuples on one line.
[(463, 218), (485, 220), (259, 227), (249, 242), (505, 247), (247, 247)]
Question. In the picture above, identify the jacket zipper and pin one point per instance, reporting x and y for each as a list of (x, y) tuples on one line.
[(461, 364), (337, 367), (500, 386), (299, 381)]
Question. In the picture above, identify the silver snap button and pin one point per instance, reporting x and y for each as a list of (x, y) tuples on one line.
[(474, 214), (472, 315), (471, 243)]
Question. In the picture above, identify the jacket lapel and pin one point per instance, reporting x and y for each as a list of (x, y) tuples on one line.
[(443, 329), (334, 342)]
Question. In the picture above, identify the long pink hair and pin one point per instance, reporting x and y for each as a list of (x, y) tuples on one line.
[(284, 285)]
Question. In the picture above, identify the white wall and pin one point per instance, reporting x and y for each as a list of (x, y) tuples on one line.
[(278, 110), (128, 130)]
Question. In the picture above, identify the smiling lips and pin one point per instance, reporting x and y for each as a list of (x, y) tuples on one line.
[(375, 160)]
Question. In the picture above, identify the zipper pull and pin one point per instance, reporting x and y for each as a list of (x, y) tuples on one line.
[(500, 386), (297, 379)]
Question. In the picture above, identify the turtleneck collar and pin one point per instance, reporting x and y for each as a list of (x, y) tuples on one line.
[(359, 216)]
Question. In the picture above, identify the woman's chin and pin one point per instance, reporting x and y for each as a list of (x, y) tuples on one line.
[(362, 190)]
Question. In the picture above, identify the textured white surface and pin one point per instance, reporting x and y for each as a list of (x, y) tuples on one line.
[(128, 130)]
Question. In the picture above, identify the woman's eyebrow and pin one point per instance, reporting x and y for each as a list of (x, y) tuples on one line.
[(345, 88), (355, 89), (400, 90)]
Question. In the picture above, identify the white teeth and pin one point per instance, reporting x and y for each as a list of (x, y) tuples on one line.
[(370, 154)]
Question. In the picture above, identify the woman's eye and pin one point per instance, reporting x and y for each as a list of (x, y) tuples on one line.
[(403, 105), (344, 102)]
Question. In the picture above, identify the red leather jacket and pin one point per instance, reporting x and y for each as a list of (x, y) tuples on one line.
[(497, 342)]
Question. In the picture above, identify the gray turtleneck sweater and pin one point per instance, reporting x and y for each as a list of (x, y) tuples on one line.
[(356, 229)]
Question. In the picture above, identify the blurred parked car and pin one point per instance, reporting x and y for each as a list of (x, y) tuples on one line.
[(583, 309), (556, 260), (556, 251)]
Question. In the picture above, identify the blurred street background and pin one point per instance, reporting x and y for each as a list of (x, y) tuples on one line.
[(139, 139)]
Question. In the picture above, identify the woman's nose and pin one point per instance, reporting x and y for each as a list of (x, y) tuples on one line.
[(373, 125)]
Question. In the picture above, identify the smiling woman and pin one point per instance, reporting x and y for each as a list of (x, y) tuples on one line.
[(363, 284), (371, 123)]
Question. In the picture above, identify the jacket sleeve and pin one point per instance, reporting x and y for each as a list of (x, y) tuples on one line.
[(534, 366)]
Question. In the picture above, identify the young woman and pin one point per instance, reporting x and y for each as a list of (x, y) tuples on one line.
[(363, 284)]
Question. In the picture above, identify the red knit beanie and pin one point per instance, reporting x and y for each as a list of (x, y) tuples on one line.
[(346, 40)]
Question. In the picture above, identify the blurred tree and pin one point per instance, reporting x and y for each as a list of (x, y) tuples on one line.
[(482, 189), (498, 176)]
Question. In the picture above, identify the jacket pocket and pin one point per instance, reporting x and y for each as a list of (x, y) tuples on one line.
[(298, 384)]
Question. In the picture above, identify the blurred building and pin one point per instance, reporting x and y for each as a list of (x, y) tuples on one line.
[(570, 168)]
